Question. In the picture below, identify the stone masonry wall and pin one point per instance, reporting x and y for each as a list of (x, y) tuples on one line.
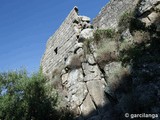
[(82, 80), (59, 44), (90, 90), (109, 15)]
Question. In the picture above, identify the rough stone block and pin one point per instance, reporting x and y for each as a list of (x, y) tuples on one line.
[(97, 93), (87, 108)]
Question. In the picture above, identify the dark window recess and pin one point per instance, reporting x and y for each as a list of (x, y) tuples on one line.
[(65, 59), (56, 50)]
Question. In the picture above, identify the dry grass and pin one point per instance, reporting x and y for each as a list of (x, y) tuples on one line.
[(107, 52), (75, 62), (55, 80), (141, 37), (117, 76), (103, 35), (125, 45)]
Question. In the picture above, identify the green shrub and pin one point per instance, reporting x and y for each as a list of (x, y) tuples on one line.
[(100, 35), (107, 52), (131, 54), (136, 24), (73, 62), (124, 45), (55, 80), (24, 97), (141, 37), (124, 21), (86, 46)]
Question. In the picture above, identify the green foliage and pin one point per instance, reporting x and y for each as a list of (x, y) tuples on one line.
[(25, 98), (106, 43), (136, 24), (86, 46), (128, 20), (100, 35), (127, 56), (124, 21), (107, 52)]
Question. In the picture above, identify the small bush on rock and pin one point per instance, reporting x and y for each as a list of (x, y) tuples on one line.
[(74, 62), (55, 81), (124, 21), (86, 46), (107, 52), (141, 37), (100, 35)]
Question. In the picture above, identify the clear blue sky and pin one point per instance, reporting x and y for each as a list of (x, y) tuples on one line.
[(25, 26)]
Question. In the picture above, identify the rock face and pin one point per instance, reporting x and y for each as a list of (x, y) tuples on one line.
[(147, 5), (81, 77), (148, 12), (86, 34), (97, 91), (109, 16)]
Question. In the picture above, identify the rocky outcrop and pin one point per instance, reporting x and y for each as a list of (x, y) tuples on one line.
[(82, 81), (148, 12)]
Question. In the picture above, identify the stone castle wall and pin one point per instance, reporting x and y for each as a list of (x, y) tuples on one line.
[(60, 44), (63, 40), (87, 87), (109, 15)]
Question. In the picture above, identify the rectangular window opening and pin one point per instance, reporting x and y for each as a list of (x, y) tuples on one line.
[(56, 50)]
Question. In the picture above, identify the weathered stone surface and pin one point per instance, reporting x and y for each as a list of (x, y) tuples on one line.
[(84, 85), (90, 59), (108, 17), (87, 108), (149, 12), (64, 78), (77, 94), (126, 35), (77, 46), (80, 52), (57, 47), (86, 25), (77, 30), (97, 93), (68, 61), (75, 76), (114, 72), (127, 40), (157, 7), (92, 72), (113, 67), (146, 5), (63, 72), (77, 90), (85, 18), (146, 20), (153, 16), (86, 34)]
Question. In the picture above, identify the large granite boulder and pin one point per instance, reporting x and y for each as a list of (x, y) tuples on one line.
[(86, 34)]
